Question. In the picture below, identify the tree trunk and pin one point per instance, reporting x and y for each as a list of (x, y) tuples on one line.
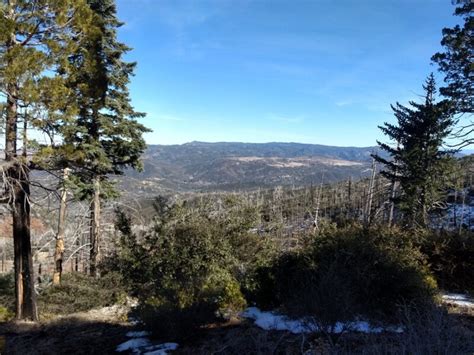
[(95, 228), (19, 185), (391, 211), (318, 204), (461, 219), (59, 249), (24, 272), (370, 196)]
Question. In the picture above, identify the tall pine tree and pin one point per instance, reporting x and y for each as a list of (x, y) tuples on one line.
[(456, 62), (35, 38), (106, 138), (418, 161)]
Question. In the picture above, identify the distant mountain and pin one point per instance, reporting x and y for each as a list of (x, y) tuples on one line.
[(199, 166)]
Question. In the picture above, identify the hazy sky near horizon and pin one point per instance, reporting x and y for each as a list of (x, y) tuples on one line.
[(311, 71)]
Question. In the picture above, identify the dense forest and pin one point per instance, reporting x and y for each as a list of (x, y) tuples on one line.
[(361, 250)]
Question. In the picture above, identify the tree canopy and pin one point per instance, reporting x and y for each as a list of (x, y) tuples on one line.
[(418, 160), (455, 61)]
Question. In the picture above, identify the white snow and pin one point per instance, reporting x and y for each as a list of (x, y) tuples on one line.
[(458, 299), (275, 321), (134, 345), (140, 344), (161, 349)]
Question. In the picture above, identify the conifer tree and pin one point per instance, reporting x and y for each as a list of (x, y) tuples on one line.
[(35, 37), (106, 138), (456, 63), (418, 161)]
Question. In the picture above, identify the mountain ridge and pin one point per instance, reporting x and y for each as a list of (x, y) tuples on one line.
[(227, 166)]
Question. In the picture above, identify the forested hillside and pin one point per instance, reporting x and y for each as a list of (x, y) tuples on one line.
[(199, 166)]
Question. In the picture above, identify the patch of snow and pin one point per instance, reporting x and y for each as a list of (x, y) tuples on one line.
[(134, 345), (140, 344), (274, 321), (161, 349), (458, 299), (139, 334)]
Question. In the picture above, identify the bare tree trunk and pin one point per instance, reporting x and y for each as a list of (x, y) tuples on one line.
[(318, 204), (393, 193), (3, 255), (59, 249), (461, 220), (95, 228), (370, 196), (455, 217), (391, 211), (349, 207)]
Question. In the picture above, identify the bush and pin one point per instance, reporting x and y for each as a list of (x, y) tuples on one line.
[(349, 272), (184, 271), (451, 259), (275, 284), (382, 267), (79, 292), (173, 323), (7, 296)]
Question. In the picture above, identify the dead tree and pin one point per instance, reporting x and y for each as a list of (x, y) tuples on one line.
[(59, 249), (370, 196), (318, 204)]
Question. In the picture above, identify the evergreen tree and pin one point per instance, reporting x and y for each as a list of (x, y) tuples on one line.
[(35, 37), (106, 137), (418, 161), (456, 63)]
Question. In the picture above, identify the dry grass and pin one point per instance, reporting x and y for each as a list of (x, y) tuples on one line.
[(97, 331)]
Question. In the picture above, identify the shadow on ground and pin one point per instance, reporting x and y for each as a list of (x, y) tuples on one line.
[(62, 336)]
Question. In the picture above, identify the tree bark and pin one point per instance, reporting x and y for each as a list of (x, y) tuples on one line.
[(95, 228), (59, 249), (19, 185), (25, 305)]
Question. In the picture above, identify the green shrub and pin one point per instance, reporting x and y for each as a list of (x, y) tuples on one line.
[(381, 267), (186, 269), (6, 314), (276, 283), (369, 271), (173, 323), (7, 294), (79, 292), (451, 259), (172, 313)]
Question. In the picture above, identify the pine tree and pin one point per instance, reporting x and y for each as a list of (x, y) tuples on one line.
[(418, 161), (106, 138), (35, 37), (456, 63)]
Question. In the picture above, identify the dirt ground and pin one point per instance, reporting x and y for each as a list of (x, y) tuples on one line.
[(94, 332), (100, 331)]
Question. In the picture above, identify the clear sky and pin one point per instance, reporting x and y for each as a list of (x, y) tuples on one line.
[(311, 71)]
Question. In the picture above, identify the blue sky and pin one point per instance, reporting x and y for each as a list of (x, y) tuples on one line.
[(311, 71)]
